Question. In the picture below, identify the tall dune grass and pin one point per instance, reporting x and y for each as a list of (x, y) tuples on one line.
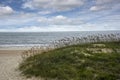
[(98, 38)]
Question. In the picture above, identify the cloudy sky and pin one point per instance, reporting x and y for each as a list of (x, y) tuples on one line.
[(59, 15)]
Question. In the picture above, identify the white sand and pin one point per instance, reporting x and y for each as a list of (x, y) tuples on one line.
[(9, 61)]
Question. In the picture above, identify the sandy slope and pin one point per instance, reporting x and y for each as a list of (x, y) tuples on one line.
[(9, 61)]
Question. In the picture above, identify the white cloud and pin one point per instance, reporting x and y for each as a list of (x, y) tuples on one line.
[(57, 5), (48, 28), (51, 28), (5, 10), (60, 20), (42, 29), (98, 8)]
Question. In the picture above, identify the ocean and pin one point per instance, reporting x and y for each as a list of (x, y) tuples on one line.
[(8, 39)]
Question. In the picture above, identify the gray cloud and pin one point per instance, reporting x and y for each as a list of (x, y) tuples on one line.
[(18, 19), (104, 1), (5, 10), (104, 5), (57, 5)]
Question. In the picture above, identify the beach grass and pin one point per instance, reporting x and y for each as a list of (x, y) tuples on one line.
[(90, 61), (95, 57)]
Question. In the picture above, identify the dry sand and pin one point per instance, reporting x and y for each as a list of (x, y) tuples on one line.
[(9, 62)]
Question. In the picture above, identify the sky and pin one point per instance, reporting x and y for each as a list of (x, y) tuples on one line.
[(59, 15)]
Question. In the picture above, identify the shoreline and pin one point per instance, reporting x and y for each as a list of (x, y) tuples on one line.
[(20, 47), (14, 48)]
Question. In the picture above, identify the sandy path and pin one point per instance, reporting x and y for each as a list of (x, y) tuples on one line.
[(9, 61)]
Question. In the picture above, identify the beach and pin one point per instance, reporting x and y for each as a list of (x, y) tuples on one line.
[(9, 62), (11, 49)]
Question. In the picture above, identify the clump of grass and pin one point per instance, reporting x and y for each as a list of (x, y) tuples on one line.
[(74, 62)]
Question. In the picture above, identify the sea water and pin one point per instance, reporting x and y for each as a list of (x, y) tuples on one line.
[(8, 39)]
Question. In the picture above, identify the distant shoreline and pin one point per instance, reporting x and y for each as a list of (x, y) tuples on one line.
[(20, 47), (15, 48), (58, 31)]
